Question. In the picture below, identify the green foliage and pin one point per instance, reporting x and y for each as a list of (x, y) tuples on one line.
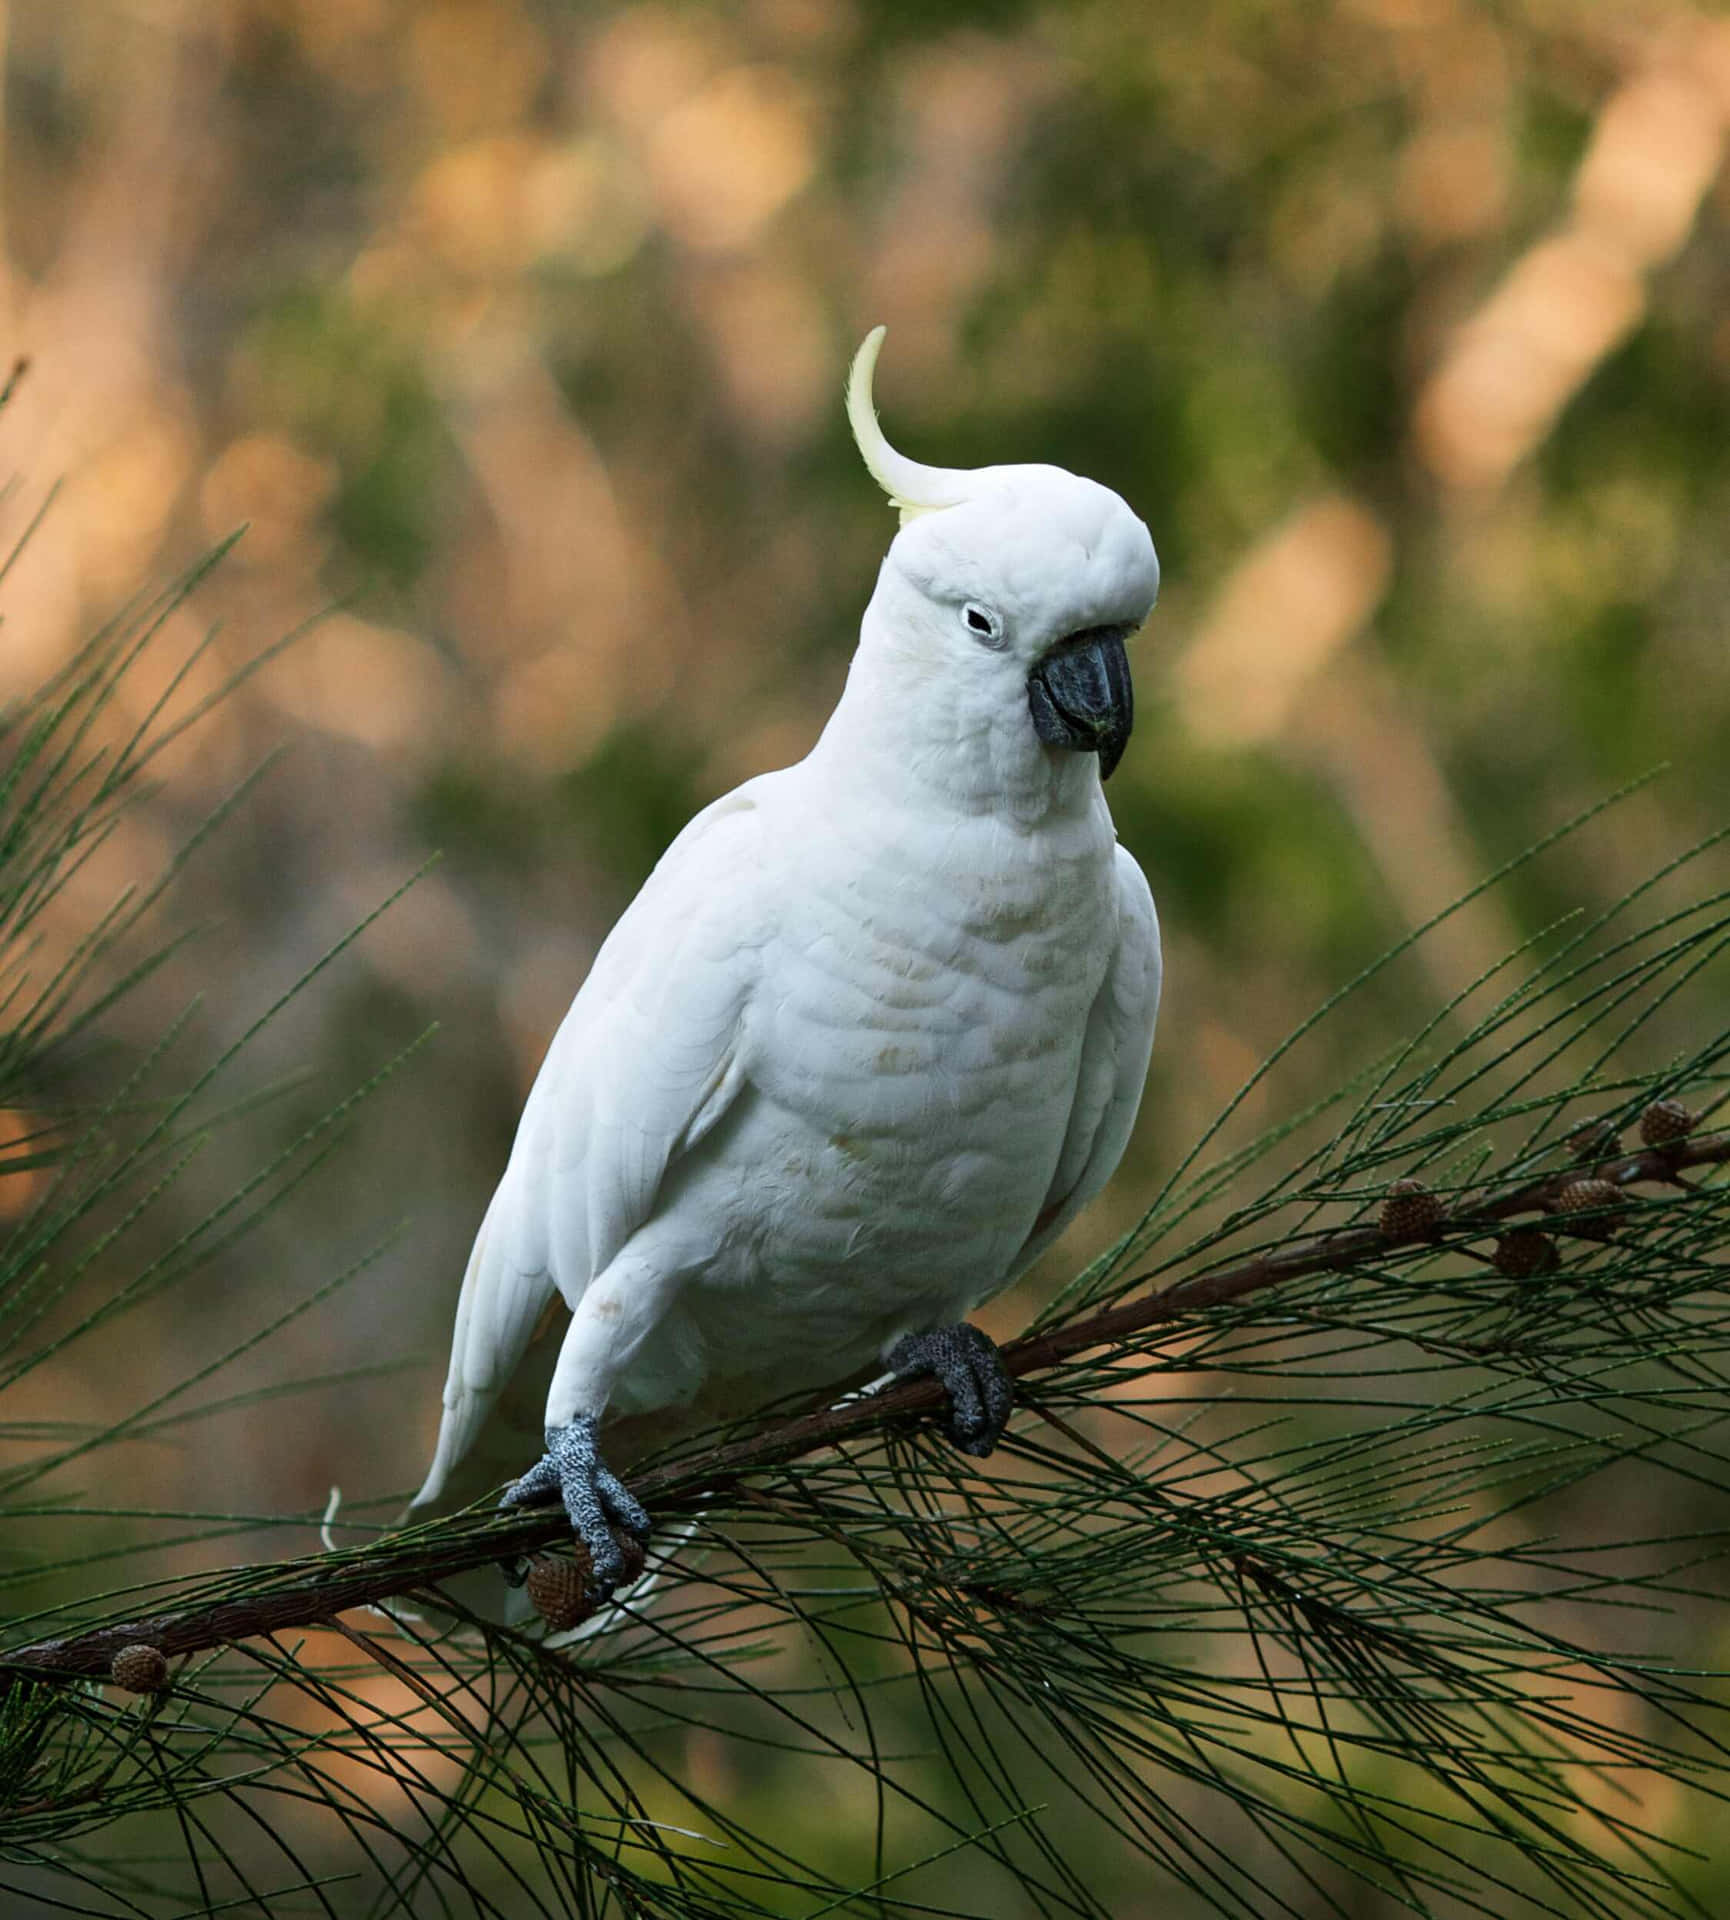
[(313, 365), (111, 1225), (630, 800)]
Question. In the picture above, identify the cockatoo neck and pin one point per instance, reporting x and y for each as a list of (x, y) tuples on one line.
[(922, 718)]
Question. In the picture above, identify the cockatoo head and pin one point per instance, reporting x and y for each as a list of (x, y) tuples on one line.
[(1024, 581)]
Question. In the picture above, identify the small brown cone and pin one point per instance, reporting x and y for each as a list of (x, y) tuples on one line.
[(1595, 1140), (558, 1591), (139, 1670), (1665, 1122), (1592, 1197), (631, 1552), (1410, 1210), (1525, 1253)]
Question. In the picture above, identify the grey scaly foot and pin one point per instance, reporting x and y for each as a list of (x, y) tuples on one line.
[(981, 1394), (596, 1499)]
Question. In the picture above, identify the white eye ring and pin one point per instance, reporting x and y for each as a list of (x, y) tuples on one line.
[(983, 625)]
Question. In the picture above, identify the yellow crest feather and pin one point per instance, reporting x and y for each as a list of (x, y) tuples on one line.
[(912, 489)]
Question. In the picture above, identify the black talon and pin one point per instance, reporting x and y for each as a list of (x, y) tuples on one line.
[(981, 1394), (596, 1499)]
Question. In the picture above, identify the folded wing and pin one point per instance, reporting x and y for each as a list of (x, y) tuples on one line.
[(644, 1064)]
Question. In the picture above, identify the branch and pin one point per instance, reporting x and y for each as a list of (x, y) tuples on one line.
[(312, 1591)]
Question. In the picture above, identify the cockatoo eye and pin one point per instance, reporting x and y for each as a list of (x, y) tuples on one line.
[(983, 624)]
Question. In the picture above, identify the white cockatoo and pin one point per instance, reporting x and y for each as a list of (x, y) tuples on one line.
[(874, 1030)]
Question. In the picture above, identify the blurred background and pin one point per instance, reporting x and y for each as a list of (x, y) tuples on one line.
[(515, 333)]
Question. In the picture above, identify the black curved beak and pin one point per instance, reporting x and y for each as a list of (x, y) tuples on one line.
[(1081, 697)]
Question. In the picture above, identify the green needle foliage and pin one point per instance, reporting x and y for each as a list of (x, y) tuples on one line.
[(1386, 1578), (111, 1225)]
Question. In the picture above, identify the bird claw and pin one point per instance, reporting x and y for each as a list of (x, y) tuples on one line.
[(596, 1499), (981, 1394)]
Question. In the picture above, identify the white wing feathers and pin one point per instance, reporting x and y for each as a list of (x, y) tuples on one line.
[(1114, 1054), (496, 1314), (644, 1064)]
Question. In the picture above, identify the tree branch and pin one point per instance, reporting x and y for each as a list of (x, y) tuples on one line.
[(311, 1591)]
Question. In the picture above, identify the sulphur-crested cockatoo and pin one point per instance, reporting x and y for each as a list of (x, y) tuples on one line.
[(874, 1030)]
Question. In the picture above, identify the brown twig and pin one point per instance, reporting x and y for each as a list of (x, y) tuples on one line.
[(310, 1592)]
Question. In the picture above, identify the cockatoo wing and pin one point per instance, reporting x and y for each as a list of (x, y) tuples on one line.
[(643, 1065), (1114, 1055)]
